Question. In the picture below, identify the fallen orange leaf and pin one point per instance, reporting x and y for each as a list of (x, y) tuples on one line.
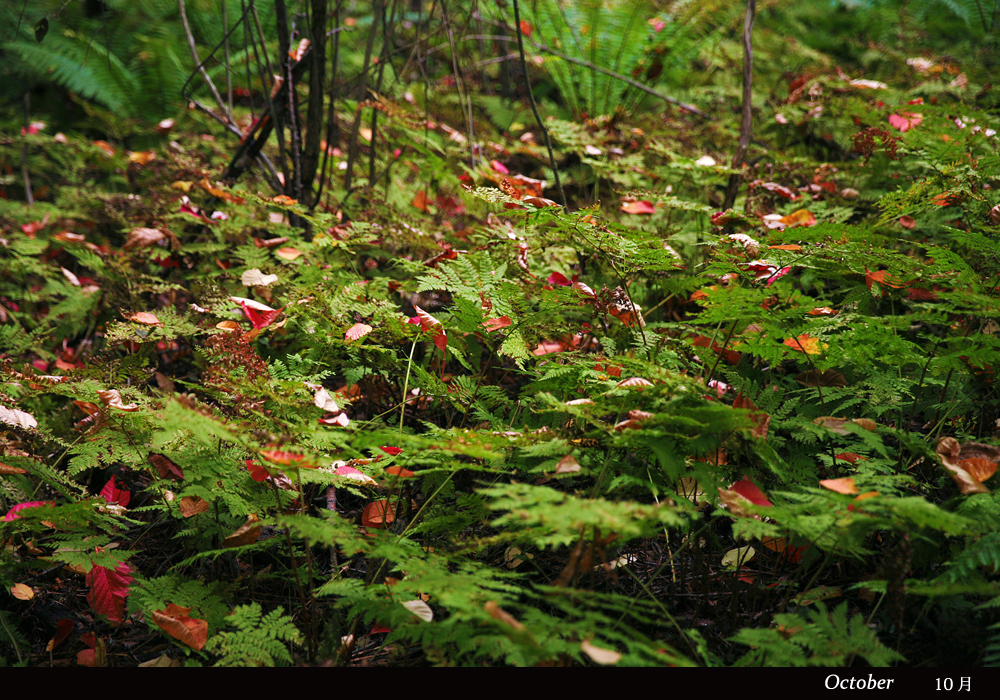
[(246, 534), (176, 622), (378, 514), (806, 343), (844, 485)]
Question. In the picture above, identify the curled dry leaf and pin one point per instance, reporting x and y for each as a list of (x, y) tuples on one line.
[(70, 277), (354, 475), (378, 514), (499, 614), (760, 419), (832, 423), (420, 609), (145, 318), (567, 465), (256, 278), (246, 534), (844, 485), (17, 418), (400, 472), (637, 383), (322, 399), (111, 398), (192, 505), (288, 253), (7, 470), (690, 489), (176, 622), (599, 655), (143, 237), (166, 468), (950, 452)]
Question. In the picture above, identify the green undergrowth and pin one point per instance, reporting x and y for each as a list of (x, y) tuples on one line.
[(448, 424)]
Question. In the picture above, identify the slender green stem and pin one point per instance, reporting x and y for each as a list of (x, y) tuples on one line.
[(406, 387)]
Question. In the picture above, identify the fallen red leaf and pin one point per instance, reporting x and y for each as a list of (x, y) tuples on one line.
[(108, 590), (749, 491), (63, 628), (429, 324), (115, 495), (260, 316), (257, 472)]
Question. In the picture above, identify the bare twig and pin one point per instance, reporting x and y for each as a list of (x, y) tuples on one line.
[(201, 66), (746, 125), (352, 148), (534, 107), (28, 196)]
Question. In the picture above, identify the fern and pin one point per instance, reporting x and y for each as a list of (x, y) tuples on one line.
[(610, 35), (818, 638), (83, 66), (259, 640)]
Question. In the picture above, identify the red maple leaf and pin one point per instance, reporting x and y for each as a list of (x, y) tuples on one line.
[(108, 590), (429, 324), (750, 491), (115, 495), (259, 318)]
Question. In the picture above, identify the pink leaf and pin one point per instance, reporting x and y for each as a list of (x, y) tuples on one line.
[(500, 167), (560, 280), (358, 330), (12, 513), (904, 121), (638, 207), (495, 324)]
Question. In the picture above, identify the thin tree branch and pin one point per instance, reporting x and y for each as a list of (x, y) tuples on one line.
[(534, 107), (746, 125), (201, 66)]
